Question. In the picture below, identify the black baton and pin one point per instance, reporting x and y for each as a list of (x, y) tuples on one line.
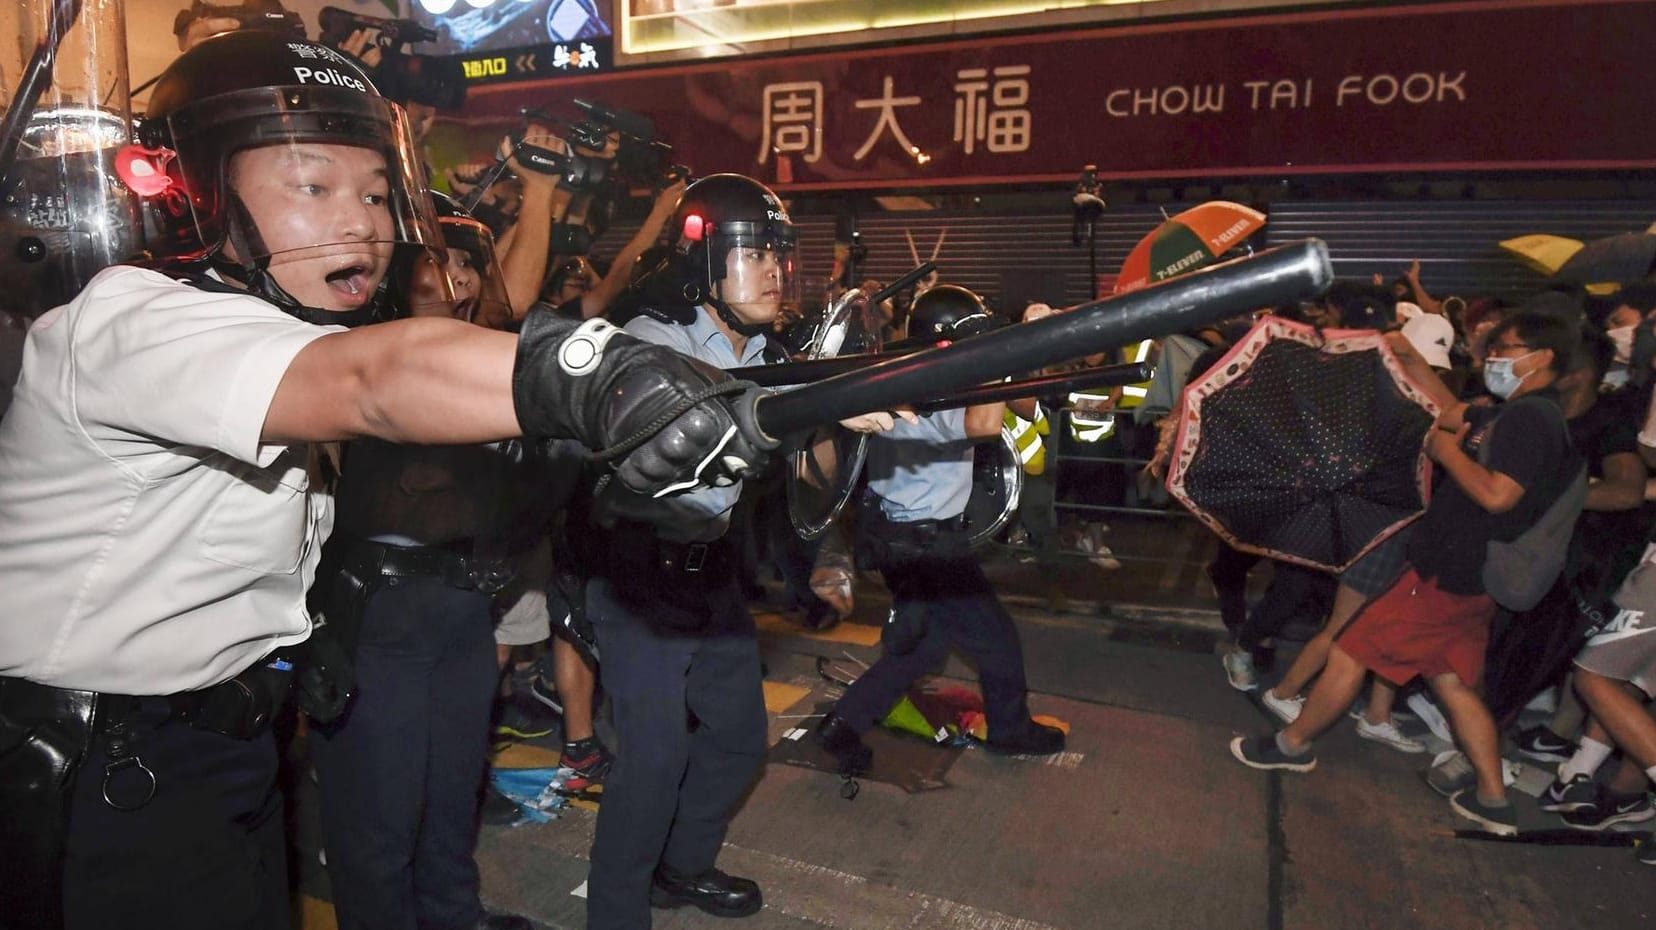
[(1287, 273)]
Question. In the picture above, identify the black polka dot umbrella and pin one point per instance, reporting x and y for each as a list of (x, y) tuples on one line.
[(1304, 446)]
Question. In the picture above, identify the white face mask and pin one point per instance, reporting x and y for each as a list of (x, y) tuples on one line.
[(1622, 336), (1500, 378)]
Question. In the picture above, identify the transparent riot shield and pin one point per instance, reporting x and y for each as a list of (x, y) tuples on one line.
[(997, 482), (823, 475), (64, 212)]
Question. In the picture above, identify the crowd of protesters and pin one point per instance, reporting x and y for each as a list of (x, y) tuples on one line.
[(1533, 394)]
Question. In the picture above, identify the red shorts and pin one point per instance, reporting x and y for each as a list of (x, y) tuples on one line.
[(1415, 629)]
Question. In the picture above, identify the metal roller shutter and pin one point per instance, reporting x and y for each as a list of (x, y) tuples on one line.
[(1457, 242)]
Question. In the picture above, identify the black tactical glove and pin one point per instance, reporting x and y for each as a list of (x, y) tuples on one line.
[(667, 422)]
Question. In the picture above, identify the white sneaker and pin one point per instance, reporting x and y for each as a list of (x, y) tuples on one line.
[(1388, 734), (1431, 716), (1286, 709), (1239, 670)]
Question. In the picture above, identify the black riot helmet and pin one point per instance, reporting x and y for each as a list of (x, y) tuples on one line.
[(289, 173), (948, 311), (733, 248)]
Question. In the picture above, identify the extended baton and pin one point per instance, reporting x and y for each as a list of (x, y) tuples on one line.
[(1287, 273), (1069, 381)]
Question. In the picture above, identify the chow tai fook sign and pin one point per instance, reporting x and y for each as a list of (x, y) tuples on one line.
[(1462, 86)]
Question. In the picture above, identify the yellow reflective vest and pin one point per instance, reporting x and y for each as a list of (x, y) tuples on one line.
[(1093, 426), (1026, 435)]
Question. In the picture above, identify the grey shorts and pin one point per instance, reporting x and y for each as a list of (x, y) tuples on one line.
[(1625, 650), (525, 621), (1372, 574)]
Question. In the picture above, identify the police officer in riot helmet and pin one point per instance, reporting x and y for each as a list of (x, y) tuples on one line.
[(424, 537), (662, 596), (158, 528), (948, 311), (913, 531)]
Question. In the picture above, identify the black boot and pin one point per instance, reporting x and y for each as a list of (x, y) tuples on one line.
[(712, 891), (842, 742), (1037, 739)]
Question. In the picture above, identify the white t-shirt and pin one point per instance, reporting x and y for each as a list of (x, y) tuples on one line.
[(148, 542)]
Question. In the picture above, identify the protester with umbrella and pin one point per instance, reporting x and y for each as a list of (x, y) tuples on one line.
[(1434, 620)]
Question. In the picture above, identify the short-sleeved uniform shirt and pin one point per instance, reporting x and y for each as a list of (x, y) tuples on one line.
[(922, 471), (149, 542), (702, 515)]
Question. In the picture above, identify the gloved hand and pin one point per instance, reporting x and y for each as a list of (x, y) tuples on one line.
[(668, 422)]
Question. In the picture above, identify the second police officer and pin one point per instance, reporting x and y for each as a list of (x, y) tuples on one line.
[(919, 481), (680, 651)]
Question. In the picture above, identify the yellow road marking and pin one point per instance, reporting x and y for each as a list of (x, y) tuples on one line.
[(779, 697), (859, 634)]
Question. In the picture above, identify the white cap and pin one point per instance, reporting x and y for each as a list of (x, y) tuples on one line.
[(1432, 336), (1407, 311)]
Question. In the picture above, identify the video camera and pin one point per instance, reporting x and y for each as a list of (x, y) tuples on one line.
[(268, 15), (640, 157), (406, 78), (336, 26)]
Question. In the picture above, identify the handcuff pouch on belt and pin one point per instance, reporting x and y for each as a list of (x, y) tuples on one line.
[(45, 735), (669, 582)]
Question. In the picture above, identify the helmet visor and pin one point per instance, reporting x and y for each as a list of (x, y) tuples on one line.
[(319, 186), (760, 275), (475, 289)]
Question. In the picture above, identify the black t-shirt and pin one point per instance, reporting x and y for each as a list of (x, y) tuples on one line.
[(432, 495), (1527, 443), (1609, 427)]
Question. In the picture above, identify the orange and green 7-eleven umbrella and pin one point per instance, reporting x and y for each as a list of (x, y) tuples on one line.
[(1186, 242)]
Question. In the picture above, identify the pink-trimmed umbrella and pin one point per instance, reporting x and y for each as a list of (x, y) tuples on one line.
[(1304, 446)]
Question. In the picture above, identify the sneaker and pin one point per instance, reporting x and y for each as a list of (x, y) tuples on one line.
[(1576, 794), (1387, 734), (1611, 809), (1429, 714), (1451, 773), (1543, 744), (523, 720), (1286, 709), (1261, 752), (1239, 671), (542, 690), (587, 763), (1645, 854), (1501, 821)]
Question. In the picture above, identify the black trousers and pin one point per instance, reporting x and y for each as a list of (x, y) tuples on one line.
[(960, 610), (675, 785), (206, 853), (401, 771)]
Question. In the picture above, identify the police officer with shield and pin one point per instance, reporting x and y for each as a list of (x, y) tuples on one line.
[(160, 465), (920, 479), (671, 622)]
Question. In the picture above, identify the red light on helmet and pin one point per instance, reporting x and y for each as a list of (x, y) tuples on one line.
[(145, 170), (694, 228)]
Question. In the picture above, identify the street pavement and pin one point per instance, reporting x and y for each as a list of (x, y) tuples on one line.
[(1144, 821)]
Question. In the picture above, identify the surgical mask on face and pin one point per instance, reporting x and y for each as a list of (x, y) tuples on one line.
[(1622, 336), (1499, 376)]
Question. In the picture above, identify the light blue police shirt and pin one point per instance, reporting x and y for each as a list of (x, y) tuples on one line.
[(922, 471), (701, 515)]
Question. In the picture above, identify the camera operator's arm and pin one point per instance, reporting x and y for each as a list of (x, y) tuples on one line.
[(361, 45), (524, 247), (595, 302)]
